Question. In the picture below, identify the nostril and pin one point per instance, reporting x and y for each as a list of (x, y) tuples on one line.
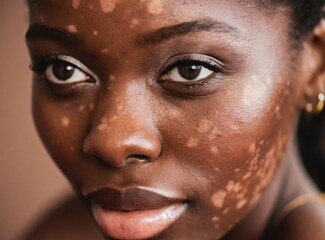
[(138, 158)]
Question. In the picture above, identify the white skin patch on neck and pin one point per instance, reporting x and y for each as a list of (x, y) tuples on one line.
[(75, 3), (107, 5)]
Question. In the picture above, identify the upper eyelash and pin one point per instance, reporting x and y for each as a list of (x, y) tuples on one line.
[(213, 67), (40, 64)]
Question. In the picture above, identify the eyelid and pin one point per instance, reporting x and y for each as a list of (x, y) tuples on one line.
[(204, 60), (43, 62), (78, 64)]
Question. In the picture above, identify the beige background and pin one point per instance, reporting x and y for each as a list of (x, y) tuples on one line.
[(29, 181)]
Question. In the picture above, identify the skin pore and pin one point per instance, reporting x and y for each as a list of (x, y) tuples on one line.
[(197, 101)]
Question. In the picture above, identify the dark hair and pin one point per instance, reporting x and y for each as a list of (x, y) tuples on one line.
[(305, 15)]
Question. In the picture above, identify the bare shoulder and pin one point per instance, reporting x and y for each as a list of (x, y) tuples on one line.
[(67, 221), (307, 222)]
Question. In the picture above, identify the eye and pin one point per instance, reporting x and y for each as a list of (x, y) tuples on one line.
[(192, 75), (185, 72), (65, 70)]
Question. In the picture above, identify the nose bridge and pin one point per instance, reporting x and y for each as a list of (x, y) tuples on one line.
[(124, 131)]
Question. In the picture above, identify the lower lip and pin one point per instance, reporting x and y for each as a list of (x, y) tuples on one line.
[(139, 224)]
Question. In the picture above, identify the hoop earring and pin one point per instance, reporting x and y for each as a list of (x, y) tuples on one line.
[(319, 107)]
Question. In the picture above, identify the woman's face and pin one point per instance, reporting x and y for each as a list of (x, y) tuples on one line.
[(170, 117)]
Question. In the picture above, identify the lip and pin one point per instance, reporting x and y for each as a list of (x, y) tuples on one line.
[(135, 213), (130, 199)]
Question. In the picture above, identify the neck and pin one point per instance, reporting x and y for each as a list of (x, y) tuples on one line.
[(291, 181)]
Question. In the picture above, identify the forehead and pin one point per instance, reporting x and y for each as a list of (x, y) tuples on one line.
[(121, 21), (144, 13)]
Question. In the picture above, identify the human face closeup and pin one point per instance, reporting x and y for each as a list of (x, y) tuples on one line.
[(170, 118)]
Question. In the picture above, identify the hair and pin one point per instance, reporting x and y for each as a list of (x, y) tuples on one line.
[(305, 15)]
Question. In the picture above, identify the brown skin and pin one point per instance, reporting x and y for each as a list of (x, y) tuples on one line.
[(222, 145)]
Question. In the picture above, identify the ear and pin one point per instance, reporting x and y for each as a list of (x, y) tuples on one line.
[(313, 65)]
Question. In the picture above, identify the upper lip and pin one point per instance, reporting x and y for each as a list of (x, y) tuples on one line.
[(130, 199)]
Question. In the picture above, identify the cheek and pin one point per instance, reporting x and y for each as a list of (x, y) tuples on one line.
[(235, 150), (61, 126)]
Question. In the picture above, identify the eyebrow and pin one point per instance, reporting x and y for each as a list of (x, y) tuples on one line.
[(42, 31), (154, 37), (166, 33)]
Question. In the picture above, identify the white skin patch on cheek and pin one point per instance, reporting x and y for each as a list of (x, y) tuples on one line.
[(254, 95), (155, 7), (230, 186), (81, 108), (91, 107), (252, 148), (75, 3), (215, 219), (65, 122), (104, 51), (102, 126), (247, 175), (111, 77), (95, 33), (72, 29), (192, 142), (134, 22), (218, 198), (241, 203), (215, 150), (107, 5)]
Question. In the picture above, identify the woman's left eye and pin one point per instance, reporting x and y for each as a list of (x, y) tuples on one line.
[(188, 72)]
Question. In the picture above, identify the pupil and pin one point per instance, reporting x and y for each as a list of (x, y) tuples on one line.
[(189, 72), (63, 70)]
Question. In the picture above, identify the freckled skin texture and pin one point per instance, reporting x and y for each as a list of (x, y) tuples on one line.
[(220, 145)]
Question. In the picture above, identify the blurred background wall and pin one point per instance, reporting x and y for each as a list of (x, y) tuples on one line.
[(29, 181)]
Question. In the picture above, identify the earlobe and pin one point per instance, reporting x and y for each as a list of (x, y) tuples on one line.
[(314, 87)]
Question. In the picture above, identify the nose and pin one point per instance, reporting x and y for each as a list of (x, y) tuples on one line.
[(123, 141)]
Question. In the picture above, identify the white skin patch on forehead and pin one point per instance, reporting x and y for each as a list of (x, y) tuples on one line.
[(72, 29), (192, 142), (155, 7), (95, 32), (107, 5), (134, 23), (75, 3)]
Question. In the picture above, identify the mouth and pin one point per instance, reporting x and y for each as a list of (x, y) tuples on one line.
[(135, 213)]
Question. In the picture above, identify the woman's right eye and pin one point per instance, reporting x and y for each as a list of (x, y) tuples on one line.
[(63, 70)]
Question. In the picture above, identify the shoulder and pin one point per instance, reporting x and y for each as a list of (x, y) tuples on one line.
[(305, 222)]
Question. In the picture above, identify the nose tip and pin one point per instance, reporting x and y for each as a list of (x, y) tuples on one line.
[(124, 142)]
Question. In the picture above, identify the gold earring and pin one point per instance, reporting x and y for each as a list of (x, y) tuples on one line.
[(319, 107)]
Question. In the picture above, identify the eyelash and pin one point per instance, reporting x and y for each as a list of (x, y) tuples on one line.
[(189, 88), (40, 65), (192, 88)]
